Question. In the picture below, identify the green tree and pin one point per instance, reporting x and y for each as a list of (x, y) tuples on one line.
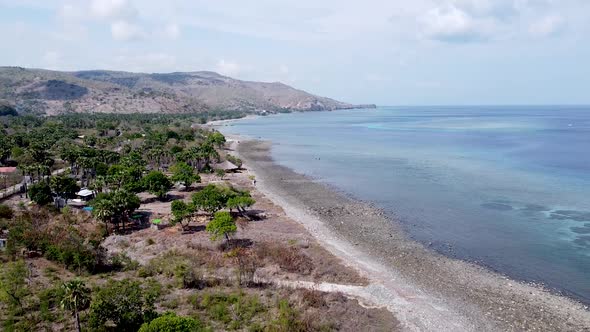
[(40, 193), (170, 322), (103, 209), (222, 225), (180, 210), (184, 173), (5, 148), (157, 183), (128, 177), (124, 303), (76, 298), (216, 138), (220, 172), (115, 206), (240, 202), (211, 199), (64, 186)]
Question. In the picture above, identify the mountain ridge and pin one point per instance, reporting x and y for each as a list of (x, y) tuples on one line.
[(51, 92)]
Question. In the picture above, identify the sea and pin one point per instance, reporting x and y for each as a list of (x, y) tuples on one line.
[(507, 187)]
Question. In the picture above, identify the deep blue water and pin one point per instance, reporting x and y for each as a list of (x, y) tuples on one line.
[(508, 187)]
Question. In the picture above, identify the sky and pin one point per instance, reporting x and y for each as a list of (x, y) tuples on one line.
[(387, 52)]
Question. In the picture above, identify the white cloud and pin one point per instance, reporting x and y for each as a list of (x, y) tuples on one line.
[(172, 31), (125, 31), (455, 25), (547, 26), (112, 9), (228, 68)]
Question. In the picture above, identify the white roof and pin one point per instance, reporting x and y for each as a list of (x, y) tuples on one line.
[(85, 192)]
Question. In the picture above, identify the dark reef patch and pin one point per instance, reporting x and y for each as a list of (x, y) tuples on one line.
[(497, 206)]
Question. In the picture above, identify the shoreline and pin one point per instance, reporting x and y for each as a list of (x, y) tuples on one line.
[(424, 289)]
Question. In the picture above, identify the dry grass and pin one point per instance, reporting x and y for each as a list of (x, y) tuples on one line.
[(288, 258)]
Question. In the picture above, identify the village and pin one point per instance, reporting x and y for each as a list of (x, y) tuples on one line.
[(181, 223)]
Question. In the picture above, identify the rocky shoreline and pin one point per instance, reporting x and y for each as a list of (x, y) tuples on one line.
[(425, 290)]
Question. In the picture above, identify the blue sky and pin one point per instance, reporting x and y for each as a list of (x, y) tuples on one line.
[(391, 52)]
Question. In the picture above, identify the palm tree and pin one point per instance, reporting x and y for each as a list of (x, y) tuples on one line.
[(103, 209), (76, 298)]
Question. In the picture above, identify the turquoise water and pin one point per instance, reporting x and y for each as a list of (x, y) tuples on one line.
[(507, 187)]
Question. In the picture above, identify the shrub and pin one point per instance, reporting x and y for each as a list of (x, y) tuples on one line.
[(169, 322), (123, 262), (124, 303), (236, 310), (187, 277), (313, 298), (287, 319), (5, 212)]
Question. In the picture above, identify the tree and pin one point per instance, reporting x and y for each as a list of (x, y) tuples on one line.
[(125, 176), (216, 138), (210, 199), (123, 303), (157, 183), (170, 322), (40, 193), (64, 186), (125, 203), (184, 173), (180, 210), (222, 225), (240, 203), (5, 148), (103, 209), (115, 206), (220, 172), (75, 299)]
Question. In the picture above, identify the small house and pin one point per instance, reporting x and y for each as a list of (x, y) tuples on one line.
[(82, 198), (85, 194)]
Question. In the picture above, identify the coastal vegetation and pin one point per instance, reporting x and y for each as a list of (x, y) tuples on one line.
[(80, 254)]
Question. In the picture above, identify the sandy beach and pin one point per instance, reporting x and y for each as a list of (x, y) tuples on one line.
[(424, 290)]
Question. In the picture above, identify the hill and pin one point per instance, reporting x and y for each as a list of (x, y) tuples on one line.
[(54, 92)]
